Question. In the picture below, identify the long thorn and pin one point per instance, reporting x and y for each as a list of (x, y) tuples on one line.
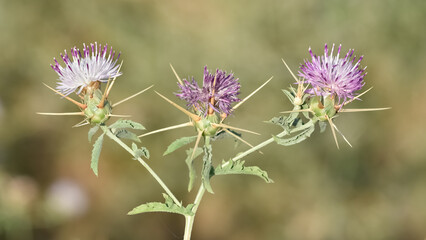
[(251, 94), (292, 74), (107, 91), (167, 128), (191, 115), (239, 138), (301, 110), (177, 76), (101, 103), (80, 105), (235, 128), (116, 115), (364, 109), (346, 140), (200, 133), (128, 98), (80, 124), (332, 130), (107, 88), (358, 96), (62, 114)]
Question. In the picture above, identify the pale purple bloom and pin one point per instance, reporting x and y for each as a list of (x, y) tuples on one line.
[(331, 75), (95, 63), (224, 92)]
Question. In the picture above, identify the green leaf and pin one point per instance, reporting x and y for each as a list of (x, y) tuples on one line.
[(237, 167), (323, 126), (289, 95), (296, 139), (178, 143), (168, 207), (281, 121), (124, 123), (208, 170), (140, 152), (96, 152), (123, 133), (92, 132), (190, 163)]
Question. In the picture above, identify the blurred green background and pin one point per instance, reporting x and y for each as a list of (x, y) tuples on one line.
[(375, 190)]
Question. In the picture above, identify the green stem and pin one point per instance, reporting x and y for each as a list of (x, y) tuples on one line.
[(189, 220), (255, 148), (156, 177)]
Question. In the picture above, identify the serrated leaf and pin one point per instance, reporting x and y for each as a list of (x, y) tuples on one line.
[(295, 139), (125, 123), (168, 207), (300, 126), (123, 133), (190, 163), (140, 152), (178, 143), (237, 167), (281, 121), (92, 132), (208, 170), (323, 126), (96, 152)]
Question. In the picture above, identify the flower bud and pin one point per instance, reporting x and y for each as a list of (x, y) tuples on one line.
[(96, 114), (206, 125), (322, 107)]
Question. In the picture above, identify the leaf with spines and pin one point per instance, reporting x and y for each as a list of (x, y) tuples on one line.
[(308, 129), (168, 206), (140, 152), (285, 122), (178, 143), (96, 152), (125, 123), (92, 132), (237, 167), (208, 170), (123, 133), (190, 163)]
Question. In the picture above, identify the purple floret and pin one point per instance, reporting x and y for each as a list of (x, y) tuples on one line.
[(331, 75), (224, 92), (84, 69)]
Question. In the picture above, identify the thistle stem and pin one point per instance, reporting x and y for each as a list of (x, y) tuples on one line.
[(144, 164), (255, 148), (189, 220)]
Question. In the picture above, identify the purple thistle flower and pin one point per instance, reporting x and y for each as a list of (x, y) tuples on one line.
[(331, 75), (217, 95), (83, 70)]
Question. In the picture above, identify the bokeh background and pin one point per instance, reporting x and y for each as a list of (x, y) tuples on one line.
[(375, 190)]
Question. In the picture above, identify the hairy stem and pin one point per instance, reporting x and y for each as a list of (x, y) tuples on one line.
[(156, 177)]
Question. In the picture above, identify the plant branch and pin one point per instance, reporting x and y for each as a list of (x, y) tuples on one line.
[(189, 220), (147, 167)]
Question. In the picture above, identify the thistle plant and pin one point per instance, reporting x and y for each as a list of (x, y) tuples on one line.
[(331, 84)]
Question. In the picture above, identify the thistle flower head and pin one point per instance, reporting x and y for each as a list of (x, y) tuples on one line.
[(332, 76), (217, 94), (95, 64)]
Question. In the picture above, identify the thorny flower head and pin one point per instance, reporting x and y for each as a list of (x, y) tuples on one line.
[(332, 76), (95, 64), (219, 91)]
